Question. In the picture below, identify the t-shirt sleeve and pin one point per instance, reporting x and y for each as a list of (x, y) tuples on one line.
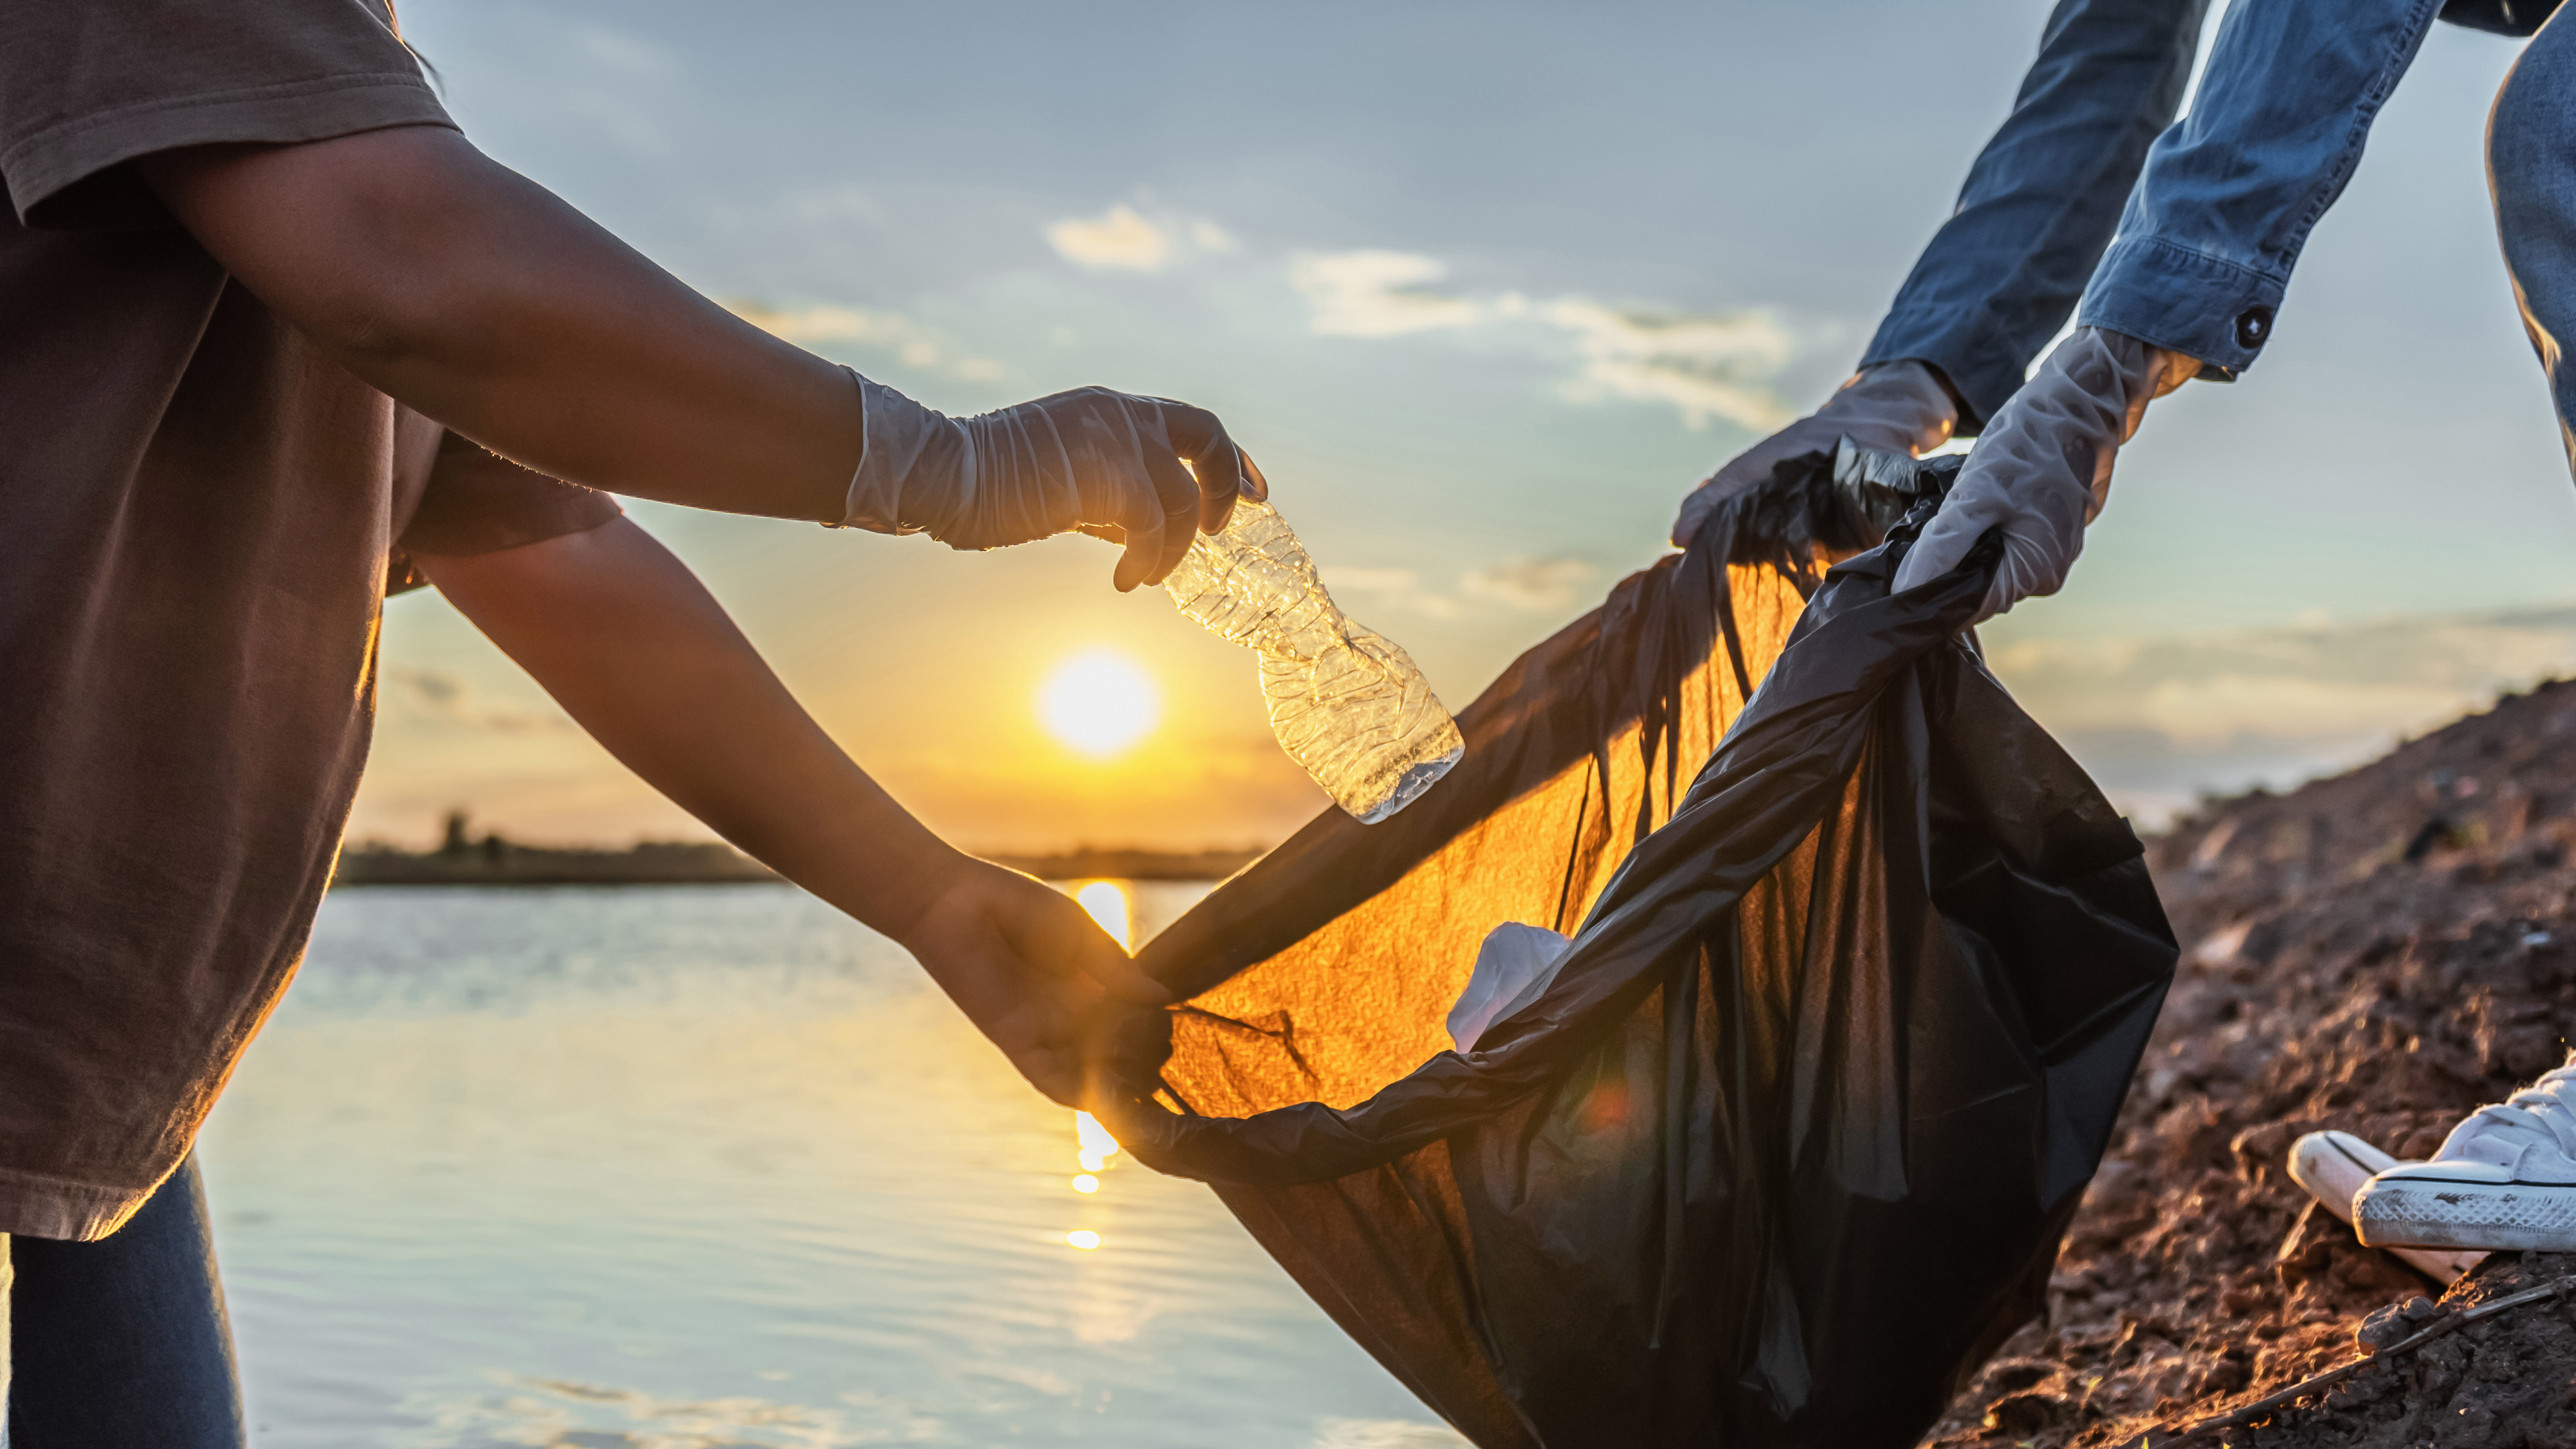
[(88, 85), (479, 502)]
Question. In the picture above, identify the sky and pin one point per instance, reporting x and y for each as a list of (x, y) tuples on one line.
[(1485, 289)]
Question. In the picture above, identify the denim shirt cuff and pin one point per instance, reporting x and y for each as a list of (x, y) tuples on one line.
[(1972, 348), (2184, 300)]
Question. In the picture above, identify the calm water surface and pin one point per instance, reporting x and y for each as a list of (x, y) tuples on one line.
[(714, 1168)]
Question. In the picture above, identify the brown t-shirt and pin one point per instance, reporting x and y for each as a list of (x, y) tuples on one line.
[(198, 514)]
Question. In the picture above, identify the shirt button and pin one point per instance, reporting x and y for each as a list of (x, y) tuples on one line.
[(2253, 327)]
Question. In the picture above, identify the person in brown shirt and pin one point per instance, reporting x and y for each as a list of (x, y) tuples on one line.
[(270, 332)]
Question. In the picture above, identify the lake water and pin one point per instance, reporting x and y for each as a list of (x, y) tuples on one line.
[(713, 1168)]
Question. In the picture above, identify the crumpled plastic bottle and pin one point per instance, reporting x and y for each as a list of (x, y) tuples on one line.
[(1346, 703)]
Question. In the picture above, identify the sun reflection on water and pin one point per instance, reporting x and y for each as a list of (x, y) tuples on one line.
[(1107, 902), (1111, 906), (1093, 1144)]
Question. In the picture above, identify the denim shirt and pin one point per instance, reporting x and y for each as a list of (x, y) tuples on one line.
[(2210, 213)]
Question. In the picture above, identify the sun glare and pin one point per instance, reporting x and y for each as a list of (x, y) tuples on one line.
[(1107, 903), (1099, 702), (1095, 1145)]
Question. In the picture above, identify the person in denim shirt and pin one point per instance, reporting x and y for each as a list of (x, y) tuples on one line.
[(2170, 242)]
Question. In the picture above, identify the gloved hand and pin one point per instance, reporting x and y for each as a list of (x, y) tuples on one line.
[(1104, 463), (2043, 467), (1895, 407)]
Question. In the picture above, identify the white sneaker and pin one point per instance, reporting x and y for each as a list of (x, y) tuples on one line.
[(2332, 1166), (2505, 1178)]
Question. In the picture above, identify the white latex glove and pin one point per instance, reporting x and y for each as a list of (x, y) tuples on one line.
[(1109, 464), (1895, 407), (2042, 468)]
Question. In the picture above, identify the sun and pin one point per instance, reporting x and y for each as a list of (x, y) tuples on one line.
[(1099, 702)]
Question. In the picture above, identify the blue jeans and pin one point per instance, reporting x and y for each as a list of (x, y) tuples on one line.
[(2531, 169), (121, 1343)]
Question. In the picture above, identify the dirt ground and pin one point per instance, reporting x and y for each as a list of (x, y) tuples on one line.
[(2380, 952)]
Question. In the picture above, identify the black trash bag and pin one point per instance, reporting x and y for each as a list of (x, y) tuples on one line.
[(1786, 1148)]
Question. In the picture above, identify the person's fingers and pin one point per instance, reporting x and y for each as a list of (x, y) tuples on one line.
[(1725, 483), (1106, 532), (1178, 494), (1255, 486), (1057, 937), (1217, 464), (1028, 1017), (1697, 505), (1140, 525), (1945, 541), (1744, 470), (1057, 1073)]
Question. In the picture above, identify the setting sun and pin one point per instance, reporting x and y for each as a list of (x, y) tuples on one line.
[(1099, 702)]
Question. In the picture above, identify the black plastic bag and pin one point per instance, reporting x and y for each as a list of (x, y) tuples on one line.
[(1786, 1148)]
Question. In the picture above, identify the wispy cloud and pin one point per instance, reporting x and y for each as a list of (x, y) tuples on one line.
[(1391, 588), (910, 342), (1377, 294), (1384, 1434), (408, 692), (1119, 239), (1536, 585), (1528, 585), (1704, 365), (2158, 719), (1125, 239)]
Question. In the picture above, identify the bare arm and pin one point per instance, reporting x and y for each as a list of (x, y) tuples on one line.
[(627, 640), (477, 297)]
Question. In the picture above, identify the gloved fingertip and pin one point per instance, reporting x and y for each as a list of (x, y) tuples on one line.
[(1254, 486), (1687, 522)]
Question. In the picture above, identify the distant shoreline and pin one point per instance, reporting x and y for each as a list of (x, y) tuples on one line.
[(494, 861)]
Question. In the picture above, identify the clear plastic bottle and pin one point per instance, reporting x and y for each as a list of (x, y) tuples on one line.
[(1346, 703)]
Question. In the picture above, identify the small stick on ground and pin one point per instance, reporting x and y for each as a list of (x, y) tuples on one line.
[(2260, 1408)]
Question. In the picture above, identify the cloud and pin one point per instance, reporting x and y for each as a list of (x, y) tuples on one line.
[(1532, 585), (890, 332), (1119, 239), (1377, 294), (1538, 585), (2158, 719), (1127, 240), (1384, 1434), (1394, 588), (1706, 365), (410, 693)]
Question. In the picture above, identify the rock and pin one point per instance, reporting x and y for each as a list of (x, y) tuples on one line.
[(2383, 1327)]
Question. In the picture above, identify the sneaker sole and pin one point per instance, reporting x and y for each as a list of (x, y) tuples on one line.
[(2427, 1212), (2333, 1166)]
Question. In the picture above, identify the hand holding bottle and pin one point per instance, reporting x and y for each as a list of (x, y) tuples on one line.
[(1109, 464)]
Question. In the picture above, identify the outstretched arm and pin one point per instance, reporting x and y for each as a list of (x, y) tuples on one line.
[(2206, 245), (2001, 275), (477, 297), (2043, 200), (641, 655)]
